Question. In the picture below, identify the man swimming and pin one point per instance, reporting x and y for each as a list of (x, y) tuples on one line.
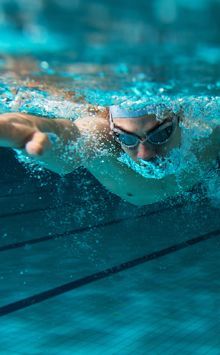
[(96, 142)]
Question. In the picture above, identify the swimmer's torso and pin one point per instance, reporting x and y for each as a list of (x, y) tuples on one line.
[(129, 185)]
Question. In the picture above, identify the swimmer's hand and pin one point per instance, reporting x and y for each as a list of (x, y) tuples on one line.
[(21, 131)]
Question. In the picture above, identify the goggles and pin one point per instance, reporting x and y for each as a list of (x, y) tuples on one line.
[(158, 136)]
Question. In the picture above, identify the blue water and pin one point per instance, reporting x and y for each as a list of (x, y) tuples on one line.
[(55, 231)]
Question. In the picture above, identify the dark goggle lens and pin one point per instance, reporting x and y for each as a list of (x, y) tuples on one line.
[(161, 136), (127, 139)]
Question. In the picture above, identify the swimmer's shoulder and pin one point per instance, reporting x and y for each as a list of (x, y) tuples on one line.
[(95, 125), (95, 137), (93, 120)]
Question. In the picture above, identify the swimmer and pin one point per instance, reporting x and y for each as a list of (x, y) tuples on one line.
[(96, 140)]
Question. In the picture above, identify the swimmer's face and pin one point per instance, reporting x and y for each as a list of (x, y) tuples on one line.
[(142, 127)]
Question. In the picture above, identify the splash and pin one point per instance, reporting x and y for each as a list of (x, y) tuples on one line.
[(201, 112)]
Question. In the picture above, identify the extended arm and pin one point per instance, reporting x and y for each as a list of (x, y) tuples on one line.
[(61, 154)]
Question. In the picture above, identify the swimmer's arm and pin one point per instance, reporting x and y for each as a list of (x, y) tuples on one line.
[(31, 134)]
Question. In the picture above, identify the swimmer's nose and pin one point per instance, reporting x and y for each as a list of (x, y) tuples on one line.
[(145, 153)]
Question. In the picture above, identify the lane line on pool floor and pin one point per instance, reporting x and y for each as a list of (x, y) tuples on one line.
[(83, 229), (45, 295), (69, 204)]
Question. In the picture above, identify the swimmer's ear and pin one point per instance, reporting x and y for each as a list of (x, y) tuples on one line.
[(38, 144)]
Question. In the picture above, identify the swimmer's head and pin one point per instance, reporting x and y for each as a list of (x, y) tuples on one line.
[(142, 135)]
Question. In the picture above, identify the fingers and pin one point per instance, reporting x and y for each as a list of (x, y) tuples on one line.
[(38, 144)]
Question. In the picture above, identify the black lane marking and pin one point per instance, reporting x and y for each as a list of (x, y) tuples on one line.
[(65, 234), (40, 297), (19, 213), (65, 204), (83, 229), (37, 189), (39, 209)]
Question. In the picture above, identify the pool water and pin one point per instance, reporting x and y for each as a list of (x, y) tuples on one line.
[(82, 271)]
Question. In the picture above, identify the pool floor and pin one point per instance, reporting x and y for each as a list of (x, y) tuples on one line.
[(145, 283)]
